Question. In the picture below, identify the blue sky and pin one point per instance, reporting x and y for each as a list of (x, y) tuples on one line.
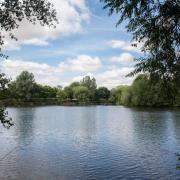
[(85, 42)]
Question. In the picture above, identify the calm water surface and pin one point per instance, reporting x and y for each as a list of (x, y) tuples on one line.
[(98, 142)]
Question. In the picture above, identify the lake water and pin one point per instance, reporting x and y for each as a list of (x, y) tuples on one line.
[(96, 142)]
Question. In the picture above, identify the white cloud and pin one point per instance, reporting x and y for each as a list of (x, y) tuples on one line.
[(13, 67), (8, 45), (36, 41), (47, 74), (125, 59), (125, 45), (71, 15), (81, 63), (44, 73), (114, 77)]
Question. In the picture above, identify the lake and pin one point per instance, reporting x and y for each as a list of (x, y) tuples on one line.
[(95, 142)]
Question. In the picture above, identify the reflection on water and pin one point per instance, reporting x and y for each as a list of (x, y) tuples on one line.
[(96, 142), (25, 125)]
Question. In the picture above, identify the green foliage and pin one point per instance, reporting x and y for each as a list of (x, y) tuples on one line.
[(74, 84), (81, 93), (120, 95), (145, 92), (156, 24), (140, 89), (44, 91), (24, 85), (91, 85), (12, 90), (61, 95), (69, 90), (123, 95), (102, 94)]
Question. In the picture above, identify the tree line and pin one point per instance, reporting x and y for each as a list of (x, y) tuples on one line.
[(25, 89), (145, 92), (142, 92)]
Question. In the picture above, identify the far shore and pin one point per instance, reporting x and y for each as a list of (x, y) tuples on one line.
[(56, 102), (47, 102)]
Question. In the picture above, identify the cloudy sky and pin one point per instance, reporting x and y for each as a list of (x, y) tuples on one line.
[(85, 42)]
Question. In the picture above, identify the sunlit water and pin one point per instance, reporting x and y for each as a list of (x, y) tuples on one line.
[(98, 142)]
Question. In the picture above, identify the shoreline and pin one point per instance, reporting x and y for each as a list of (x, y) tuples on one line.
[(56, 102)]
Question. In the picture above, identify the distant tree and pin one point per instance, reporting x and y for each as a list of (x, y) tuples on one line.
[(12, 90), (155, 24), (123, 95), (81, 93), (68, 90), (144, 92), (102, 93), (91, 85), (113, 97), (45, 91), (61, 95), (139, 90), (25, 84), (74, 84)]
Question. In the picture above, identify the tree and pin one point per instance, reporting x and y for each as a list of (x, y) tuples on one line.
[(74, 84), (156, 24), (91, 85), (44, 91), (81, 93), (113, 97), (61, 95), (123, 95), (102, 93), (25, 84), (68, 90), (140, 91)]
